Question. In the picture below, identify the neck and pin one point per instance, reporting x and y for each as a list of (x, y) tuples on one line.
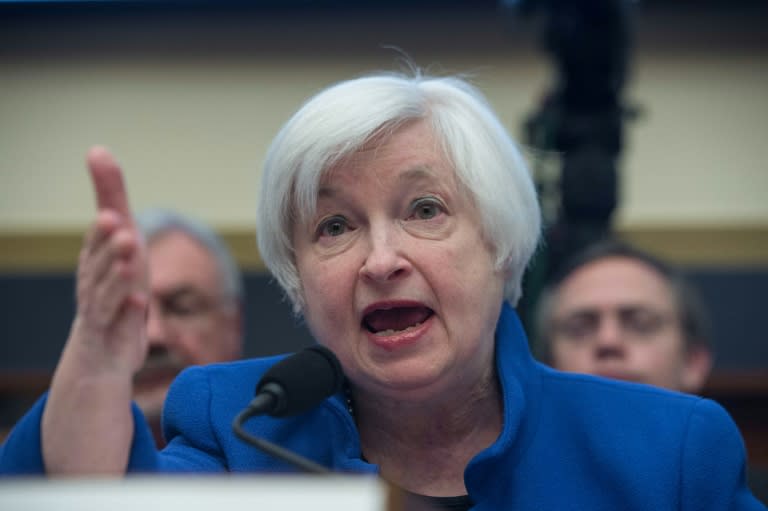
[(425, 446)]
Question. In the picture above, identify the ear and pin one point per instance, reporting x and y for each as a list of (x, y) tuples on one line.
[(696, 369)]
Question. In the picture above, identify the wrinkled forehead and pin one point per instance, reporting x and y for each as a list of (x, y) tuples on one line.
[(390, 154)]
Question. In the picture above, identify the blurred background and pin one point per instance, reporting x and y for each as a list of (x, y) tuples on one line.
[(646, 118)]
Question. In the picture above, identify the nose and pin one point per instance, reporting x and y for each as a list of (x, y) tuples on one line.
[(608, 338), (157, 329), (384, 260)]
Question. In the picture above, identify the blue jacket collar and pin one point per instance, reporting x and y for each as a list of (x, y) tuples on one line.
[(520, 383)]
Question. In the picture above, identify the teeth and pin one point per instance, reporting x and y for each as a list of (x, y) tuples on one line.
[(385, 333)]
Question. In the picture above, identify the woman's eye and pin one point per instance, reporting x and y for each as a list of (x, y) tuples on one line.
[(424, 209), (334, 226)]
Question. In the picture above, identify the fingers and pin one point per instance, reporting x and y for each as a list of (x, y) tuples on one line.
[(95, 256), (108, 335), (109, 296), (109, 271), (116, 296), (107, 179)]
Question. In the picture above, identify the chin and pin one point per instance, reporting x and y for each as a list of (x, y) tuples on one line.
[(150, 399), (408, 381), (618, 375)]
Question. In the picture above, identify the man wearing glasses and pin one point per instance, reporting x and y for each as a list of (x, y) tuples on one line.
[(618, 312)]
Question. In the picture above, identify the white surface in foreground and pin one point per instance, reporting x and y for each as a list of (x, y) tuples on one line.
[(193, 493)]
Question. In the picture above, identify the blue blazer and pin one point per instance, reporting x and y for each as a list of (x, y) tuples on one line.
[(569, 441)]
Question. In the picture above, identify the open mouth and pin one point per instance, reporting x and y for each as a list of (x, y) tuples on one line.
[(385, 322)]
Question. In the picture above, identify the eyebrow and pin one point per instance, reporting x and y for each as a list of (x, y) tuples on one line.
[(181, 292), (622, 309), (416, 173)]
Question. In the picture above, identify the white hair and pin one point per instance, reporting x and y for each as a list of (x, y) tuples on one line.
[(154, 223), (339, 120)]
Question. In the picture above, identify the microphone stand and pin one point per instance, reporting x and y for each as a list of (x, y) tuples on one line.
[(289, 376), (275, 450)]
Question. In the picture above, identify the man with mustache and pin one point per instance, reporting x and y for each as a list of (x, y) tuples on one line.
[(194, 312)]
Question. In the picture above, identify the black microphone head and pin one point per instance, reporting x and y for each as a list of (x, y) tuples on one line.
[(305, 379)]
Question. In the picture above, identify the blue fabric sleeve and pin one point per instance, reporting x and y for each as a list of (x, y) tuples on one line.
[(143, 455), (22, 452), (714, 463), (193, 445)]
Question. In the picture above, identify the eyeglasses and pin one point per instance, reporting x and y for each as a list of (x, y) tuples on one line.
[(634, 322), (187, 306)]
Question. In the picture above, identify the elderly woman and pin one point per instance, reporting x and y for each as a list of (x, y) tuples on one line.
[(398, 216)]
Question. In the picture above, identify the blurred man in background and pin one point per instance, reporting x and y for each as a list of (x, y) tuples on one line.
[(194, 312), (618, 312)]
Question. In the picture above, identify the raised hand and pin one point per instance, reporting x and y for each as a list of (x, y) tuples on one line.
[(87, 424), (112, 276)]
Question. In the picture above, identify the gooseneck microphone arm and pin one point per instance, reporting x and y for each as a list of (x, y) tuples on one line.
[(275, 450), (292, 386)]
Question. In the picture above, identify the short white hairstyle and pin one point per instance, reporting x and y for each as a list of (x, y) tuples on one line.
[(341, 119)]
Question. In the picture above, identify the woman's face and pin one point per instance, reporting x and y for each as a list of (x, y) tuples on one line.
[(397, 278)]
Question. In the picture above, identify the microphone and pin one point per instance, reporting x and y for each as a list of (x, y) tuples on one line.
[(294, 385), (298, 383)]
